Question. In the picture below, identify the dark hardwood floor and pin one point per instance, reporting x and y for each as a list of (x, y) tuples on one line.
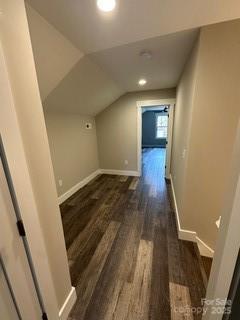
[(125, 258)]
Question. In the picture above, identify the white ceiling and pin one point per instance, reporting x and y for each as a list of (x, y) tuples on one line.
[(133, 20), (169, 54), (112, 42)]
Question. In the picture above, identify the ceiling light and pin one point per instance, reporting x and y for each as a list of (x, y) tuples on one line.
[(106, 5), (142, 82)]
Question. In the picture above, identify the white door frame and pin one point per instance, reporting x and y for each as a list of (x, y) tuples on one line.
[(152, 103)]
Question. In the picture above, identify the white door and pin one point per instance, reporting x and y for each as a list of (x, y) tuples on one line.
[(18, 299)]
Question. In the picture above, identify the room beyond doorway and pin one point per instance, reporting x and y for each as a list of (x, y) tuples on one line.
[(156, 131), (154, 127)]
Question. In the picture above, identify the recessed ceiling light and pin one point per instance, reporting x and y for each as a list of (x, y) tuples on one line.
[(142, 82), (106, 5)]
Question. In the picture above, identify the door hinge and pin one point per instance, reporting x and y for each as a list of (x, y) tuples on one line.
[(44, 316), (21, 229), (166, 142)]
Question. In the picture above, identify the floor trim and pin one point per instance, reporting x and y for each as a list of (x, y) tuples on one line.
[(120, 172), (85, 181), (78, 186), (68, 304), (183, 234), (189, 235), (204, 249)]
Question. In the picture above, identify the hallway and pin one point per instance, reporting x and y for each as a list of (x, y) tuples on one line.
[(125, 258)]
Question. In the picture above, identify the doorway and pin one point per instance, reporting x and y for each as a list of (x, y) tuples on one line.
[(155, 125)]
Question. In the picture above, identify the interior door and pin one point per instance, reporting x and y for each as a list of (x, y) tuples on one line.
[(18, 298)]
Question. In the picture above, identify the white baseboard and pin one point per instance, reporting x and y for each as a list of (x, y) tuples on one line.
[(183, 234), (188, 235), (78, 186), (68, 304), (204, 249), (120, 172), (85, 181)]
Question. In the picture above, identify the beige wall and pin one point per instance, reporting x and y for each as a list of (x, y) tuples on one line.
[(117, 129), (73, 148), (215, 113), (228, 244), (182, 125), (30, 119)]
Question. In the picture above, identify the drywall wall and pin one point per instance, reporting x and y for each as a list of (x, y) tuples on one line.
[(73, 148), (149, 130), (182, 125), (228, 244), (33, 138), (215, 114), (117, 129), (54, 55)]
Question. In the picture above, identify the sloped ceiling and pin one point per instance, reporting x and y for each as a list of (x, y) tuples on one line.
[(68, 80), (54, 55), (133, 20), (169, 54), (86, 90), (111, 66)]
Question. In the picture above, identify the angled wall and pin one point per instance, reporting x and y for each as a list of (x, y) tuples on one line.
[(69, 81), (54, 55), (86, 89)]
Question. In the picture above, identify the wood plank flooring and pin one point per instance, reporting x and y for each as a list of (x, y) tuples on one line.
[(125, 258)]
